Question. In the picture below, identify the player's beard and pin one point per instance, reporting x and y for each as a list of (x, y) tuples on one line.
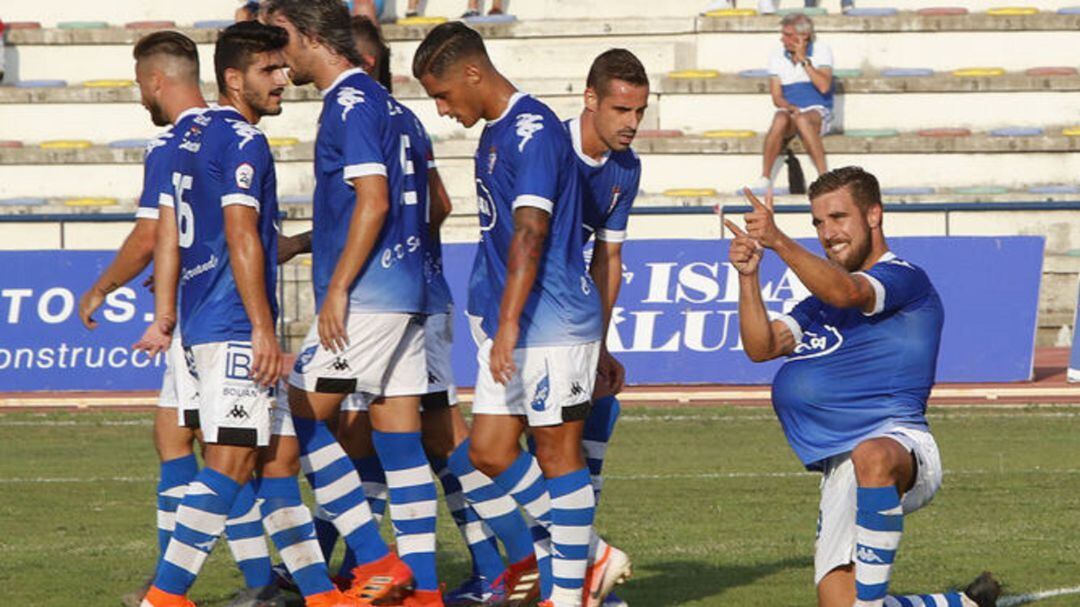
[(853, 258), (157, 115), (262, 104)]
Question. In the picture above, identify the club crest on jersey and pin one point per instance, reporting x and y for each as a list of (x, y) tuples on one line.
[(245, 174), (348, 98), (815, 344), (493, 155), (614, 198), (526, 126)]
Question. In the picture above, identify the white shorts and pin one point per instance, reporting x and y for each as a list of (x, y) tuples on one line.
[(549, 381), (835, 546), (385, 357), (233, 409), (281, 423), (826, 117), (179, 386)]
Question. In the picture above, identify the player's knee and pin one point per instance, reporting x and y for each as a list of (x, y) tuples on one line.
[(491, 462), (874, 462), (556, 459)]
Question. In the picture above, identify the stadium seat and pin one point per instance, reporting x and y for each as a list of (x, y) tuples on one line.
[(811, 11), (108, 84), (942, 11), (906, 72), (90, 202), (848, 73), (492, 19), (23, 202), (871, 133), (82, 25), (981, 190), (1051, 71), (945, 132), (213, 24), (872, 11), (658, 133), (1012, 11), (8, 144), (732, 12), (1017, 131), (150, 25), (909, 191), (66, 144), (979, 72), (762, 191), (690, 192), (728, 134), (295, 199), (755, 73), (22, 25), (40, 84), (127, 144), (1072, 131), (1054, 189), (693, 74), (1069, 10), (422, 20), (282, 142)]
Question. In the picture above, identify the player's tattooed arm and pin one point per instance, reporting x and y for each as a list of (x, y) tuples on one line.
[(132, 258), (531, 227), (247, 259)]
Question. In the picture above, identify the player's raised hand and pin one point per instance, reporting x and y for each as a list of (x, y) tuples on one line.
[(332, 332), (266, 368), (90, 301), (744, 252), (502, 353), (760, 222), (157, 337)]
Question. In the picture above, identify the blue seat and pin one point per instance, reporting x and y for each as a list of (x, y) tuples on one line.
[(906, 72), (213, 24), (1017, 131), (1069, 10), (125, 144), (295, 199), (40, 84), (761, 191), (503, 18), (27, 201), (872, 11), (755, 73), (908, 191), (1054, 189)]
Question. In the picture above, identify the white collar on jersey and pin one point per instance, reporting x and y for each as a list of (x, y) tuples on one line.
[(517, 96), (575, 137), (887, 256), (228, 108), (341, 76), (191, 111)]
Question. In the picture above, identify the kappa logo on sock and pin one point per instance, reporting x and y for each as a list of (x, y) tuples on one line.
[(867, 555)]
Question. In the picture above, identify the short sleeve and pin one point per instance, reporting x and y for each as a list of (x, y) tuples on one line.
[(822, 56), (801, 316), (614, 228), (540, 154), (776, 66), (363, 124), (896, 283), (157, 184), (245, 164)]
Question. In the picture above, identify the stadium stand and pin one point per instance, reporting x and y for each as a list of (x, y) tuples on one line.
[(967, 133)]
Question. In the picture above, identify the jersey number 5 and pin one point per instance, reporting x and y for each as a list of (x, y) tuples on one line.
[(185, 218)]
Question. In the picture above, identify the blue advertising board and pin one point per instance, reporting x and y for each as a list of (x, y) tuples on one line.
[(1074, 357), (676, 321)]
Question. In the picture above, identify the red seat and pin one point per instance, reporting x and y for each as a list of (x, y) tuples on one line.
[(1051, 71), (945, 132), (659, 133), (942, 11), (150, 25)]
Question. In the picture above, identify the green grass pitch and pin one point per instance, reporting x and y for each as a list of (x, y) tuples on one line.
[(709, 502)]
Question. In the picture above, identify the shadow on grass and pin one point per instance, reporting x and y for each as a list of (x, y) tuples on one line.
[(680, 582)]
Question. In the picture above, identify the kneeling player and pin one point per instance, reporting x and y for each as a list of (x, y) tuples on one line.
[(851, 397), (219, 245)]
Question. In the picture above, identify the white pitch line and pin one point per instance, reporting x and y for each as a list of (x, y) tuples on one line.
[(1031, 597), (70, 422)]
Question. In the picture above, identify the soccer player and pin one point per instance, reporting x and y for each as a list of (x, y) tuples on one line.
[(616, 96), (218, 248), (367, 253), (536, 310), (851, 396), (166, 68)]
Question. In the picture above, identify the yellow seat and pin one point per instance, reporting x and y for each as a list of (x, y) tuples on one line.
[(1012, 11), (693, 74), (66, 144), (728, 134), (89, 202), (690, 192), (1072, 131), (108, 84), (732, 12), (979, 72), (421, 20), (279, 142)]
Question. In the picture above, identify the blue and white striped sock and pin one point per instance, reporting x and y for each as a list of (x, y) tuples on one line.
[(948, 599), (337, 489), (373, 479), (541, 540), (572, 509), (326, 532), (289, 523), (599, 427), (200, 519), (486, 560), (494, 506), (413, 502), (172, 484), (244, 533), (879, 523), (524, 481)]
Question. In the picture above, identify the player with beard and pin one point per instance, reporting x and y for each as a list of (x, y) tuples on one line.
[(861, 353), (218, 247)]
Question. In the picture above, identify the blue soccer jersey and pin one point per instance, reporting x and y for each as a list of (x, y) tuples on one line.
[(853, 374), (609, 188), (525, 159), (221, 160), (158, 165), (358, 137)]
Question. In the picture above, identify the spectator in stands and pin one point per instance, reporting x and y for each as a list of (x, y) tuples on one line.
[(801, 85), (768, 7), (472, 11)]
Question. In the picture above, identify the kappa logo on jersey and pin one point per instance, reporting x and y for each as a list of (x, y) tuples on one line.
[(158, 141), (245, 174), (304, 358), (348, 98), (245, 130), (867, 555), (814, 345), (526, 126)]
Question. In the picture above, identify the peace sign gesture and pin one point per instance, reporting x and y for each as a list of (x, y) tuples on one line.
[(760, 223)]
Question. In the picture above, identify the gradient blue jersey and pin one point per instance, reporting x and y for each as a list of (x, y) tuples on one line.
[(853, 375), (609, 188), (437, 297), (359, 137), (525, 158), (158, 165), (221, 160)]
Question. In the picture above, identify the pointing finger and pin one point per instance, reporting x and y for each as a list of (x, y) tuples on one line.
[(734, 228)]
